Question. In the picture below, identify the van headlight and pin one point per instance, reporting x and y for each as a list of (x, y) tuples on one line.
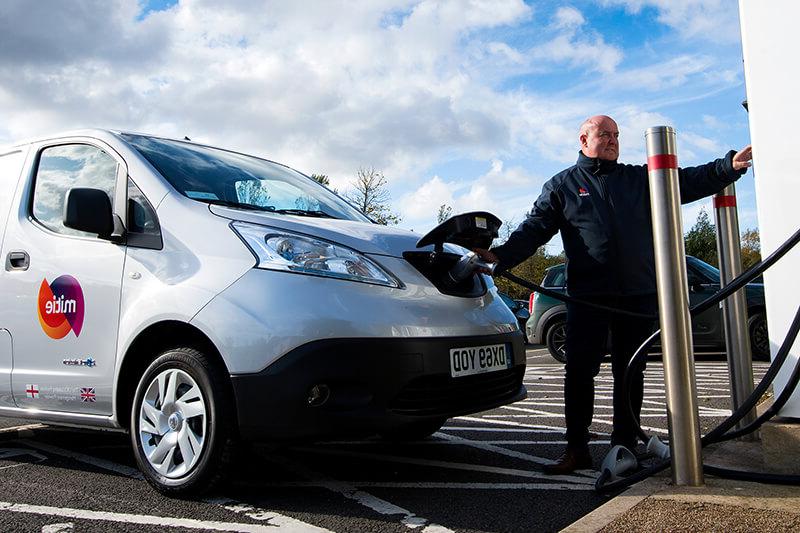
[(280, 250)]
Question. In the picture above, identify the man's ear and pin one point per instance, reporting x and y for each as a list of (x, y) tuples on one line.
[(582, 137)]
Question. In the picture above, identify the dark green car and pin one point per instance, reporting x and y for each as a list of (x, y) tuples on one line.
[(547, 324)]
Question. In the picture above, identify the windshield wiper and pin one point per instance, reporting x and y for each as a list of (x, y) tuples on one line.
[(270, 209), (228, 203), (303, 213)]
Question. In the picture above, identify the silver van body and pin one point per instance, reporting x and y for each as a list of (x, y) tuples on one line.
[(184, 307)]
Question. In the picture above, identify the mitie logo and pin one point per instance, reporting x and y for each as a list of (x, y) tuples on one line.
[(61, 307)]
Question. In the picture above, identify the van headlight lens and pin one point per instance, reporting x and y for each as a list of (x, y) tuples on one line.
[(280, 250)]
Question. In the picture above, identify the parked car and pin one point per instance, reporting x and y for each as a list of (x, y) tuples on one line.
[(195, 297), (547, 324), (520, 310)]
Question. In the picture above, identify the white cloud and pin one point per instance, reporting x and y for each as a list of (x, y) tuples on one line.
[(568, 17), (404, 86), (507, 192), (672, 73), (713, 20), (576, 46)]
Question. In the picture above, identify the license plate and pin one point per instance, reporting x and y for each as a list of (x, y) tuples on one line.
[(479, 359)]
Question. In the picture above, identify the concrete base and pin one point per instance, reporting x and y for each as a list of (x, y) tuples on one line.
[(780, 440)]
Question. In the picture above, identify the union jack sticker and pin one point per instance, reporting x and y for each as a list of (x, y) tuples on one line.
[(87, 394)]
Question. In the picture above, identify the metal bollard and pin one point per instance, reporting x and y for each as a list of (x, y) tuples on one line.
[(734, 308), (673, 306)]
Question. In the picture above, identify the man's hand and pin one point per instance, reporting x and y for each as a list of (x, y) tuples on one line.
[(487, 257), (742, 158)]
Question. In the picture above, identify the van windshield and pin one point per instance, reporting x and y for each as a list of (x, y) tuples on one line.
[(220, 177)]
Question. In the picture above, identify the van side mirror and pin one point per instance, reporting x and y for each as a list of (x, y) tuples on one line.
[(89, 210)]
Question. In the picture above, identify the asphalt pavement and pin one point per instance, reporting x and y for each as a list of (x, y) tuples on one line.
[(479, 473)]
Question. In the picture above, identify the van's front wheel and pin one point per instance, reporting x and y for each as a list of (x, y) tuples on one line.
[(180, 425)]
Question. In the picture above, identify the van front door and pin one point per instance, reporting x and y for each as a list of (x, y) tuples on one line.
[(63, 289)]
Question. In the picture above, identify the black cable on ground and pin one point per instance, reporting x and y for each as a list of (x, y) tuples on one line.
[(756, 477), (719, 434)]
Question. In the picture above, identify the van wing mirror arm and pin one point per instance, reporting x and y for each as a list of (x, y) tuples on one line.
[(117, 235)]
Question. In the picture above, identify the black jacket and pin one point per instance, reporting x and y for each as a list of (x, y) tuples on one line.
[(602, 209)]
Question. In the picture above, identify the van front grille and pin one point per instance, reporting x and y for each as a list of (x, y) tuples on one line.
[(442, 395)]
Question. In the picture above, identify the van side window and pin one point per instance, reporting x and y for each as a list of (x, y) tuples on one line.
[(62, 168), (142, 225)]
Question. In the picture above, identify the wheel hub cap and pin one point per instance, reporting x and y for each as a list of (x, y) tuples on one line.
[(175, 421)]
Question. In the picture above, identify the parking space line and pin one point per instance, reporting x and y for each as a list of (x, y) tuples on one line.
[(289, 526), (87, 459), (445, 464), (429, 485), (447, 442), (273, 518), (22, 428), (351, 492), (482, 445)]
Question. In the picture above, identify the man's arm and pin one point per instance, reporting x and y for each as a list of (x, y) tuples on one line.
[(705, 180), (538, 227)]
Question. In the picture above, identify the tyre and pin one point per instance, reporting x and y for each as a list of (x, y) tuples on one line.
[(180, 422), (556, 339), (759, 336), (415, 431)]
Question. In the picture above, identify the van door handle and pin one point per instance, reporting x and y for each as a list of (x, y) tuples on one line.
[(17, 261)]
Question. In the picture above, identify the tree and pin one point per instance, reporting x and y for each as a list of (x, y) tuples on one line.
[(507, 229), (369, 194), (445, 211), (701, 240), (751, 248), (532, 269), (321, 179)]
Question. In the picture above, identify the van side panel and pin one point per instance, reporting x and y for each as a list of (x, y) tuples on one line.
[(11, 163)]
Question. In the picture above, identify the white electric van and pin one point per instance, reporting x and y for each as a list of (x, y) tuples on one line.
[(197, 297)]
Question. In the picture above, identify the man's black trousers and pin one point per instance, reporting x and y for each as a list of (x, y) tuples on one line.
[(590, 334)]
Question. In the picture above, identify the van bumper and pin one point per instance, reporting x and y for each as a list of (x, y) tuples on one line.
[(372, 385)]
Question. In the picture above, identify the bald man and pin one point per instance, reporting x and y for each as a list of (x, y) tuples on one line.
[(602, 210)]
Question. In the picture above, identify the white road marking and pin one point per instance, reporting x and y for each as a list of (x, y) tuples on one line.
[(273, 518), (58, 528), (429, 485), (7, 453), (188, 523), (23, 428), (447, 442), (83, 458), (481, 445), (351, 492), (444, 464)]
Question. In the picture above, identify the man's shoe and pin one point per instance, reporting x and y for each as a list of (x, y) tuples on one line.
[(572, 460)]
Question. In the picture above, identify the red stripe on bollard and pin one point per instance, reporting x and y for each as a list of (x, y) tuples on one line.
[(724, 201), (657, 162)]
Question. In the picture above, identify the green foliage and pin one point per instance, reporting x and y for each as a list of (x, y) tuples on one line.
[(369, 194), (701, 240), (751, 248), (532, 269)]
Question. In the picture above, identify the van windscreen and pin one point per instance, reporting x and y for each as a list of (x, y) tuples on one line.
[(217, 176)]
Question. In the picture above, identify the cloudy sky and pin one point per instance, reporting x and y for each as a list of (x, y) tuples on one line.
[(468, 103)]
